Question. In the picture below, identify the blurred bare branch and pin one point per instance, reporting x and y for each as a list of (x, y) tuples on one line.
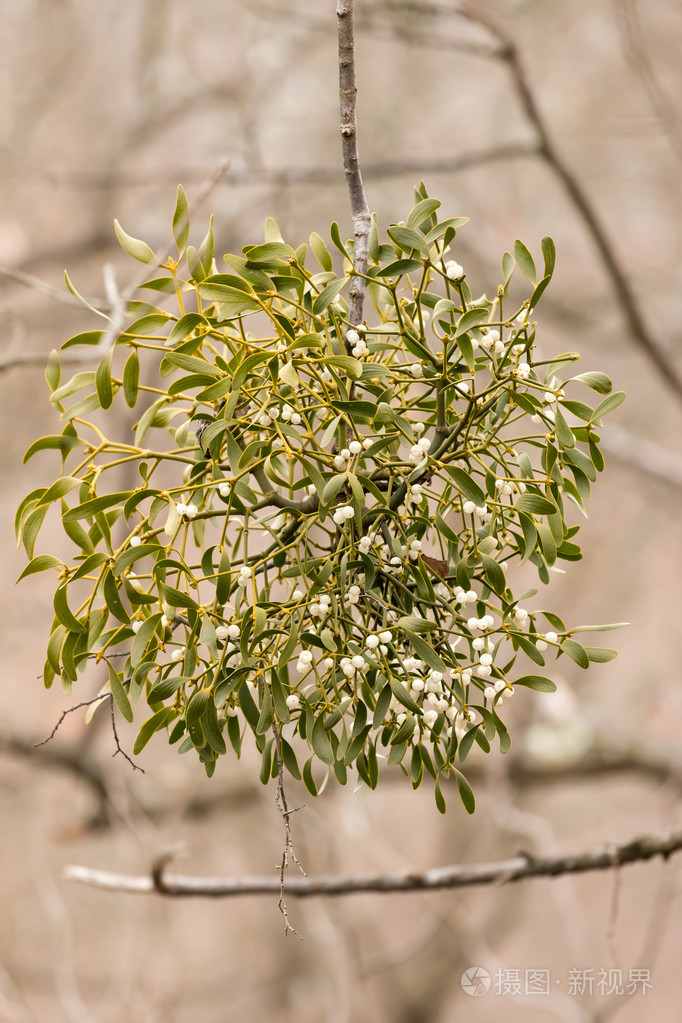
[(636, 53), (519, 868)]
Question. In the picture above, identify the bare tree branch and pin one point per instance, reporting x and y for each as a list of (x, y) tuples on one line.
[(630, 27), (358, 200), (583, 206), (639, 849)]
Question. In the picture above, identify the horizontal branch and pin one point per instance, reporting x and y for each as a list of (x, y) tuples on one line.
[(519, 868)]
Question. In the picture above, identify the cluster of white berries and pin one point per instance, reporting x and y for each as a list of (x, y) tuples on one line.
[(393, 562), (484, 514), (522, 371), (416, 548), (345, 454), (506, 487), (224, 632), (353, 594), (490, 692), (321, 607), (365, 542), (343, 513), (350, 666), (419, 451), (481, 624), (305, 659), (290, 415), (224, 489), (491, 340), (190, 511), (378, 641), (453, 270), (415, 493), (245, 574), (521, 617), (463, 596), (359, 345), (549, 637)]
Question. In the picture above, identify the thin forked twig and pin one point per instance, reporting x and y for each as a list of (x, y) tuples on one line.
[(288, 851), (88, 703)]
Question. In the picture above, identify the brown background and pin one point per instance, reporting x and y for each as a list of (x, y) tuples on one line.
[(104, 107)]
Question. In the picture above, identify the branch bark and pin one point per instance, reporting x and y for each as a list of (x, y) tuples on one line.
[(351, 164), (519, 868)]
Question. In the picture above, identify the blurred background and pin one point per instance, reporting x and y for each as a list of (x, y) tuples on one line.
[(104, 107)]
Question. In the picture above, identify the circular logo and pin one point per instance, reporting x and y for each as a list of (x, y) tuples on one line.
[(475, 981)]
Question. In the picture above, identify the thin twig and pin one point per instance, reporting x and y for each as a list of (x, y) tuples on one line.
[(283, 807), (349, 141), (88, 703), (519, 868)]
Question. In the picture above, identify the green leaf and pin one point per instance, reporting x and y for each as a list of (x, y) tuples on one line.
[(103, 383), (400, 266), (609, 404), (119, 694), (96, 504), (525, 262), (355, 409), (408, 240), (320, 742), (466, 484), (277, 253), (440, 799), (422, 212), (266, 713), (321, 252), (494, 574), (600, 654), (466, 793), (131, 378), (112, 598), (472, 318), (549, 255), (576, 652), (176, 598), (402, 695), (564, 434), (142, 638), (535, 505), (153, 724), (426, 652), (139, 250), (327, 296), (181, 220), (411, 623), (41, 564), (62, 486), (64, 613), (353, 367), (597, 381), (61, 442), (537, 682)]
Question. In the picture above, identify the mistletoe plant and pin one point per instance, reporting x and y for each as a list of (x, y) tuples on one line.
[(318, 545)]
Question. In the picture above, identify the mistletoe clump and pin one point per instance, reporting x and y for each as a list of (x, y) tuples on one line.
[(319, 547)]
